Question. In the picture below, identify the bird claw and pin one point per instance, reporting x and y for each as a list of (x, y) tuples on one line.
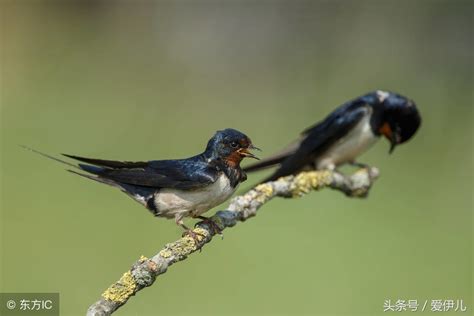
[(216, 230)]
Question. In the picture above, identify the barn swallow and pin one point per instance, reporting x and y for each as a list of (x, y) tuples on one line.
[(176, 188), (346, 133)]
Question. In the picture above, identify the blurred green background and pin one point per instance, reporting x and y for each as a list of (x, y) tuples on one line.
[(154, 80)]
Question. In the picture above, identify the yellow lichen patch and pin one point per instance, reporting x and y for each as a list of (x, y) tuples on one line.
[(201, 233), (324, 177), (165, 253), (186, 245), (264, 192), (265, 188), (120, 291), (143, 258), (306, 181)]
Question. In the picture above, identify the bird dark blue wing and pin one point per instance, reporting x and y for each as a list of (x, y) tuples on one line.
[(320, 133), (183, 174), (341, 116)]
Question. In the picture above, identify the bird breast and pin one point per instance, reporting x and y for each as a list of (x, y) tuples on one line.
[(169, 202), (348, 148)]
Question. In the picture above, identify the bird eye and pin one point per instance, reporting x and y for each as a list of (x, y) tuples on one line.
[(234, 144)]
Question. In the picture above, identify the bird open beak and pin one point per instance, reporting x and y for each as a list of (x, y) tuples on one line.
[(246, 153), (254, 147)]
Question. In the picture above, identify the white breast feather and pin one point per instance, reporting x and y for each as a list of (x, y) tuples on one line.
[(169, 202), (348, 148)]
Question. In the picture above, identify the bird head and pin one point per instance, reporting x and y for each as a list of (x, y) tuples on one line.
[(231, 146), (400, 118)]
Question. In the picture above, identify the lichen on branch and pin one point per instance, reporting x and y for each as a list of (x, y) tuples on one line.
[(143, 272)]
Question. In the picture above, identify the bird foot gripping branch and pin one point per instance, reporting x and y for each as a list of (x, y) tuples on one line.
[(143, 273)]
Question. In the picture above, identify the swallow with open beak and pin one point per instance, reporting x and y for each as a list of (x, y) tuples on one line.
[(176, 188), (346, 133)]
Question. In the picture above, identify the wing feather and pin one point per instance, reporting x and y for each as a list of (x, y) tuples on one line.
[(109, 163), (318, 139), (180, 174), (275, 158)]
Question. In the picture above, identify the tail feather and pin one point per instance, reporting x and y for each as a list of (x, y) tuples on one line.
[(277, 158), (91, 169), (50, 157), (140, 194), (266, 163), (96, 178), (88, 168), (109, 163)]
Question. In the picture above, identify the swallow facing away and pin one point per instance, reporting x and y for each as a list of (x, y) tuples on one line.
[(346, 133), (176, 188)]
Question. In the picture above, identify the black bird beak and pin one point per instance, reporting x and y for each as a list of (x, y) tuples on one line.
[(391, 135), (253, 147), (393, 144), (395, 139), (246, 153)]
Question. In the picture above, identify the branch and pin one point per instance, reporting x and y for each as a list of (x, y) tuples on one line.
[(144, 272)]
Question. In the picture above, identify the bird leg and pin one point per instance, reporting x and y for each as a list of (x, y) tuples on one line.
[(188, 231), (215, 228)]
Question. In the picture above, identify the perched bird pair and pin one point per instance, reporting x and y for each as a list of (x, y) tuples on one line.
[(190, 187)]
